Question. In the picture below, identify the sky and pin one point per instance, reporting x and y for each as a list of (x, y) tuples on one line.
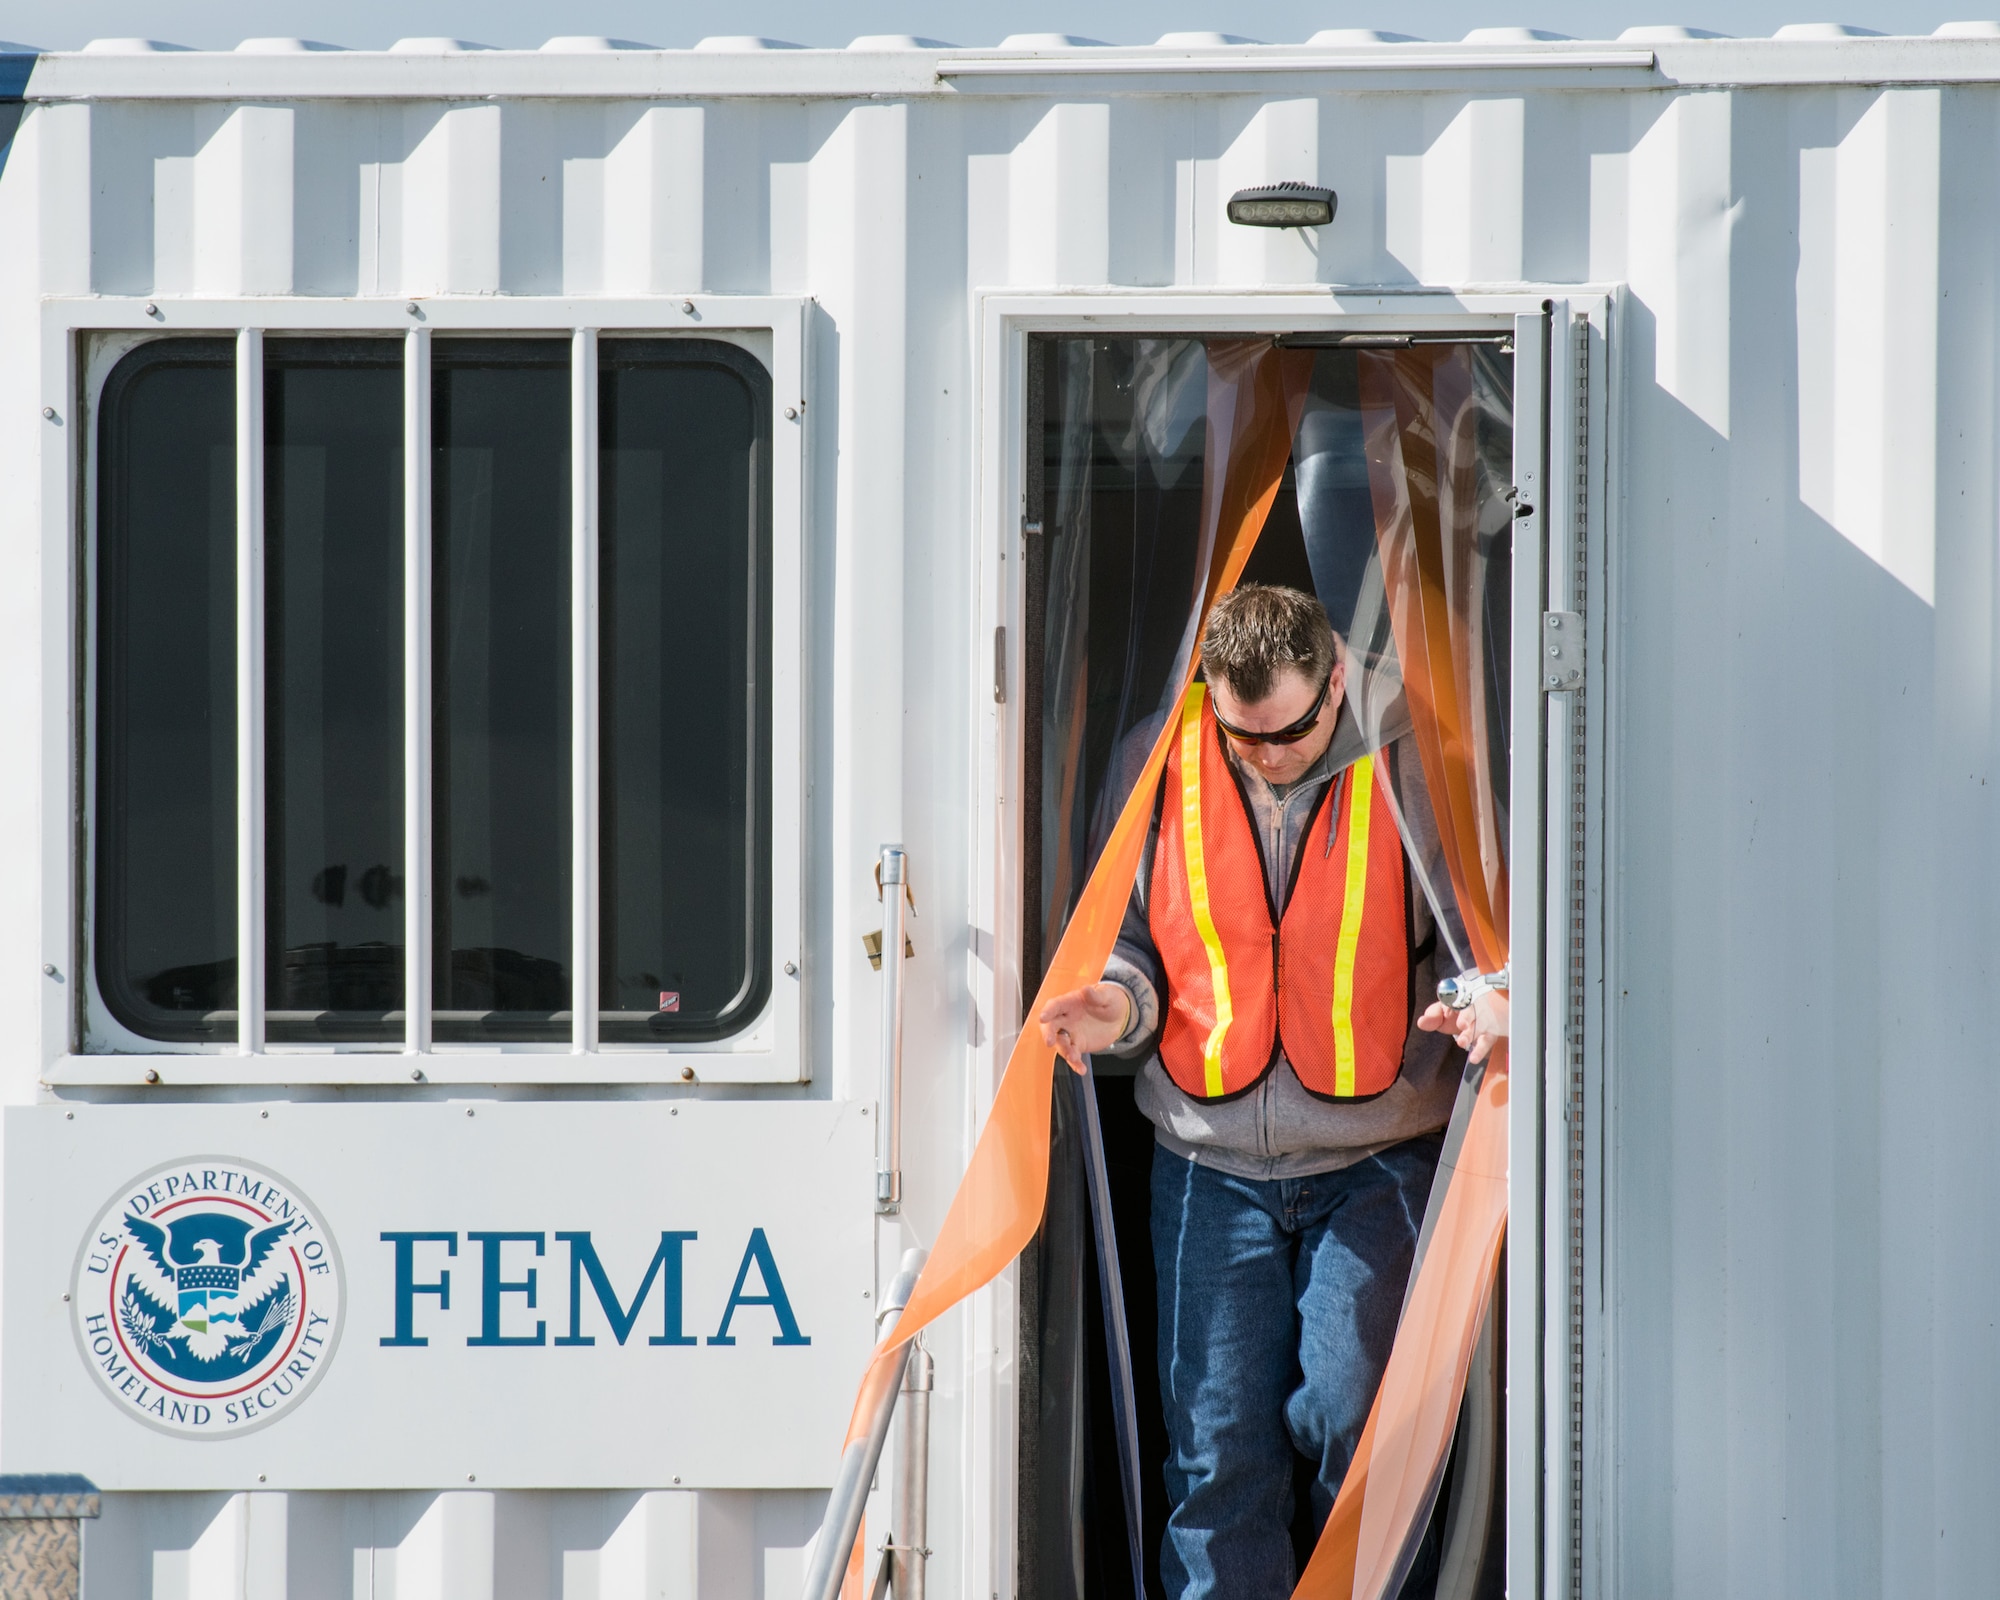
[(374, 24)]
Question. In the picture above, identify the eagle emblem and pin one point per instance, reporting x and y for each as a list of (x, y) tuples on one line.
[(207, 1297), (208, 1307)]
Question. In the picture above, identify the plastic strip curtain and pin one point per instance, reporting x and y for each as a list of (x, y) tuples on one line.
[(1424, 656), (1255, 393), (1124, 496)]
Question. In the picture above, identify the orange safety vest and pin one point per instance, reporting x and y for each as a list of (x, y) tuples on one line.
[(1330, 985)]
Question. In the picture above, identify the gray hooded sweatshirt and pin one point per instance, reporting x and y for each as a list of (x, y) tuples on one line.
[(1277, 1129)]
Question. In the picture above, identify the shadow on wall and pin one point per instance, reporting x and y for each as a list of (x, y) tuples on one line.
[(1803, 814)]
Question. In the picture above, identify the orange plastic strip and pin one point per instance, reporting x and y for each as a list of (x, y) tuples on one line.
[(1389, 1483), (1255, 395), (1417, 432), (1414, 403)]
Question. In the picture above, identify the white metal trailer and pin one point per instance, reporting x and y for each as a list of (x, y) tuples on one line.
[(596, 1283)]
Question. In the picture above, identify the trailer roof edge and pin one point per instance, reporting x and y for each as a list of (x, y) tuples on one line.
[(636, 74)]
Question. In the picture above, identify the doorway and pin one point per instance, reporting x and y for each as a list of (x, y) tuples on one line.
[(1119, 462)]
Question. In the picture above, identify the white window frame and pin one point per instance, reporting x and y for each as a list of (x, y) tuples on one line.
[(1003, 320), (771, 1048)]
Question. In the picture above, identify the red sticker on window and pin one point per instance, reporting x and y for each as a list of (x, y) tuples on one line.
[(670, 999)]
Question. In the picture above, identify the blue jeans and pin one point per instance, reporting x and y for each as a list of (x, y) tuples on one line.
[(1278, 1304)]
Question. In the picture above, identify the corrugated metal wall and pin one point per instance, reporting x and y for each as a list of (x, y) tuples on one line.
[(1802, 1209), (460, 1545)]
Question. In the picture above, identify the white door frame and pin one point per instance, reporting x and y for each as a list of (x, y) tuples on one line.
[(1002, 322)]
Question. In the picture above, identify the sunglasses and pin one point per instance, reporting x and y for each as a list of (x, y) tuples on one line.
[(1290, 733)]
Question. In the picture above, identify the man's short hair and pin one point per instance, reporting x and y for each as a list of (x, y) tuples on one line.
[(1257, 630)]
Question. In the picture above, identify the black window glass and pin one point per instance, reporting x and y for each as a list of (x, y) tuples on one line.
[(501, 687), (165, 817), (333, 620), (684, 692)]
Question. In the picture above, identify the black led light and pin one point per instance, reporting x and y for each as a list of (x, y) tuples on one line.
[(1283, 205)]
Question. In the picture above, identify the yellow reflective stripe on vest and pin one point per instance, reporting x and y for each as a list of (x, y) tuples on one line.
[(1197, 876), (1359, 811)]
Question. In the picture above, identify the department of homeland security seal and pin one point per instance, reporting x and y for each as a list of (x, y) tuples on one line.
[(207, 1298)]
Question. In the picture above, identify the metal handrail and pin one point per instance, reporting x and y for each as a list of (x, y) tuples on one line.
[(893, 874), (906, 1550), (844, 1506)]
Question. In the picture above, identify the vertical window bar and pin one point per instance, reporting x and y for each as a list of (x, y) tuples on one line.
[(250, 692), (584, 733), (417, 955)]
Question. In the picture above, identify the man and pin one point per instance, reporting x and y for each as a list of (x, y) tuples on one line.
[(1270, 969)]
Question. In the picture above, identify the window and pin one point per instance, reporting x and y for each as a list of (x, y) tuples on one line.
[(166, 769), (685, 509), (333, 689), (676, 726), (500, 655)]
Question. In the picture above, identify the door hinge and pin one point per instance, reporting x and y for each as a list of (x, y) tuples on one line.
[(1000, 666), (1562, 650)]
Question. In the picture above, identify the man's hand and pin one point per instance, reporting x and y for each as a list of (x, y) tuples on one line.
[(1478, 1027), (1086, 1020)]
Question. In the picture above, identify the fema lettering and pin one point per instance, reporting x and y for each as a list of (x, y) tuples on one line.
[(507, 1303)]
